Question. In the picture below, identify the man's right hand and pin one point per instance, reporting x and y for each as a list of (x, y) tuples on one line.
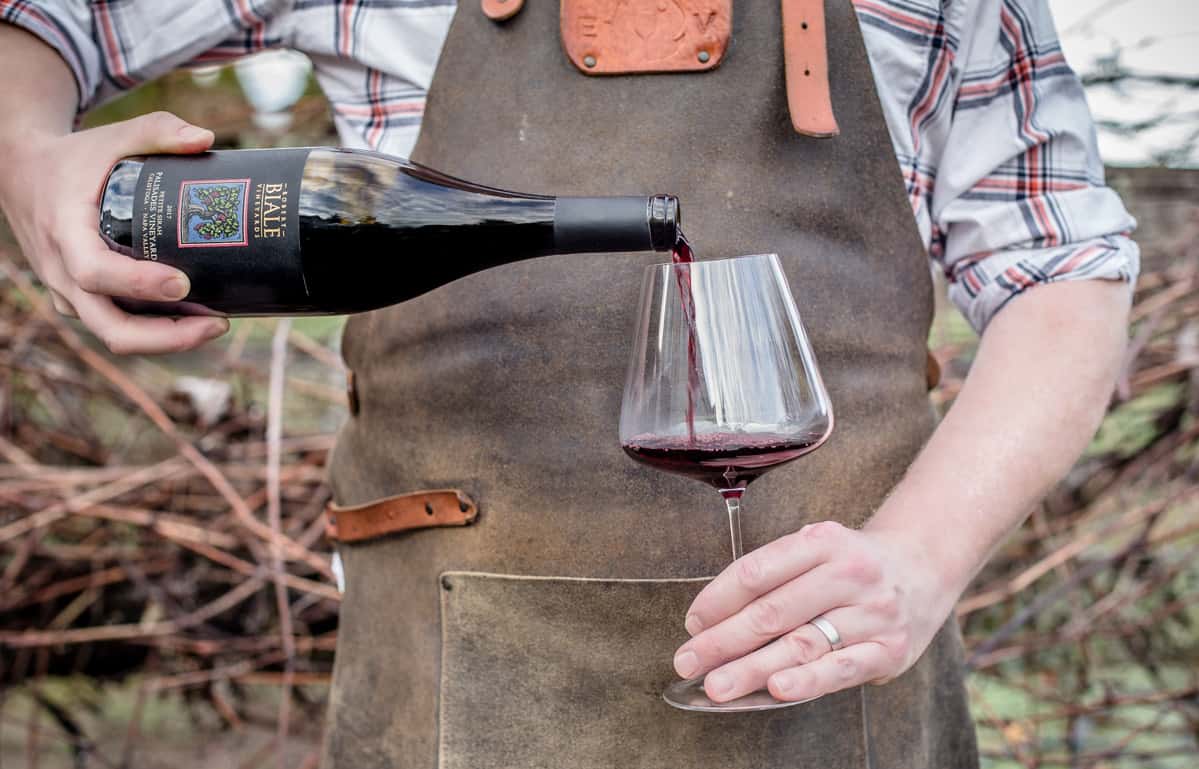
[(49, 191)]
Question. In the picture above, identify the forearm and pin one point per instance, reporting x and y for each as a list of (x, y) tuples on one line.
[(1035, 395), (39, 94)]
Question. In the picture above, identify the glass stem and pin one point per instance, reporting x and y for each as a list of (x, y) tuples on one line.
[(732, 500)]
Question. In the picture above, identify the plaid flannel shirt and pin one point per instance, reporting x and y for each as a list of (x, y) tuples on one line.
[(990, 125)]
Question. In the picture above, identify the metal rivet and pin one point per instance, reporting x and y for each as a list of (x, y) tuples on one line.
[(589, 61), (803, 25), (428, 508), (703, 57), (445, 583)]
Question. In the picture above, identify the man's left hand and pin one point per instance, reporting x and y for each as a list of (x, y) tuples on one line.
[(750, 626)]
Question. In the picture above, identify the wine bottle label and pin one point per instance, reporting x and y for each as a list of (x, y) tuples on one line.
[(238, 210)]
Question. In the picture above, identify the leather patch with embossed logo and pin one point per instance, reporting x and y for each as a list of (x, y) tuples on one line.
[(613, 37)]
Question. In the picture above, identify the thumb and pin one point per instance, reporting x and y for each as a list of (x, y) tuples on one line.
[(157, 132)]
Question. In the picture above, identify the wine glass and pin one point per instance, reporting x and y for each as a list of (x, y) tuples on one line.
[(722, 386)]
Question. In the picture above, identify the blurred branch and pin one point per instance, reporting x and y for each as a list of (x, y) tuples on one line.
[(274, 434), (1120, 76)]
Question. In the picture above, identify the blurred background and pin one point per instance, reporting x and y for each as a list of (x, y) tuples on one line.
[(137, 629)]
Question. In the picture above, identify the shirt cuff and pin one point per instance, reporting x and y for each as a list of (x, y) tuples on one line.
[(981, 286), (64, 32)]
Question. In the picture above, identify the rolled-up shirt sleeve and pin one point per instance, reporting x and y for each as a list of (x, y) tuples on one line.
[(1020, 198), (113, 47), (66, 27)]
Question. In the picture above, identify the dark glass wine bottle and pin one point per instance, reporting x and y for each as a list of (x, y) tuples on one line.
[(325, 231)]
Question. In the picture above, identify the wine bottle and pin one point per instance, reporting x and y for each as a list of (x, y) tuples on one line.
[(327, 231)]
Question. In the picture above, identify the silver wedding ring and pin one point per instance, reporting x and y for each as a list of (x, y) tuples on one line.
[(828, 631)]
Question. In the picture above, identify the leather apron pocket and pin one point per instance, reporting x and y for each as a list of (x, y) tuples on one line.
[(567, 673)]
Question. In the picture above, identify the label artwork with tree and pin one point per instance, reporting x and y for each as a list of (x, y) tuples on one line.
[(213, 213)]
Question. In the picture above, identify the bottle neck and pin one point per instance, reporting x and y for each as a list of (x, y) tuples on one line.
[(610, 224)]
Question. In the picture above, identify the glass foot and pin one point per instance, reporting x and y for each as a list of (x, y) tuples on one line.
[(690, 695)]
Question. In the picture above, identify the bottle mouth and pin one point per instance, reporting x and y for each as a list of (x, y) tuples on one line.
[(665, 221)]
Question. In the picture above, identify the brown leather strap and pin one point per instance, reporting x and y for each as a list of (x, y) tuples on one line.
[(418, 510), (499, 10), (806, 56)]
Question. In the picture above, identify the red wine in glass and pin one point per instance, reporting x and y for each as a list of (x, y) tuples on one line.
[(727, 461)]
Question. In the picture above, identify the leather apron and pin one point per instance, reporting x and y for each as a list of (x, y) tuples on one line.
[(542, 635)]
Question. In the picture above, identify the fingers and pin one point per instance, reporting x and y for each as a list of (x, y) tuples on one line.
[(98, 270), (94, 273), (62, 305), (843, 669), (126, 334), (764, 619), (750, 673), (157, 132), (762, 607), (801, 646), (761, 571)]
